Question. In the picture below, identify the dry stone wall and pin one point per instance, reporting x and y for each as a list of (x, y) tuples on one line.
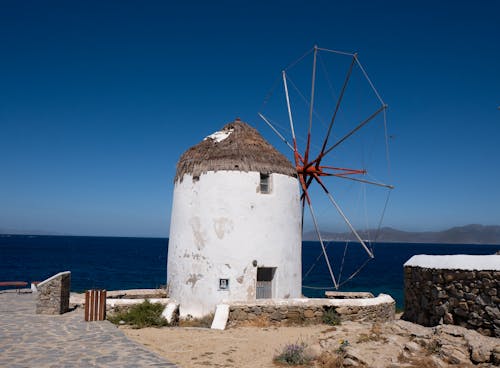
[(468, 298), (53, 294), (304, 311)]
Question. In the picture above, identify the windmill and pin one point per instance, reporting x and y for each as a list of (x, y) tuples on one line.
[(314, 149)]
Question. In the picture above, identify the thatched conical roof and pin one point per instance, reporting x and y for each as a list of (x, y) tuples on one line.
[(237, 147)]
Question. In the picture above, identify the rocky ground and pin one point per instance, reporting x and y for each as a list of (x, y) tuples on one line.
[(352, 344)]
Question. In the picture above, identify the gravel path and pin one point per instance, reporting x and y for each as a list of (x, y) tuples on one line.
[(33, 340)]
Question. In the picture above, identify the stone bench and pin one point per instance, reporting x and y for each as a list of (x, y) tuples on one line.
[(17, 284)]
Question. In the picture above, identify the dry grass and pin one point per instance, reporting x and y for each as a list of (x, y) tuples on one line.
[(328, 330), (375, 334), (330, 360), (417, 362), (205, 321), (259, 321)]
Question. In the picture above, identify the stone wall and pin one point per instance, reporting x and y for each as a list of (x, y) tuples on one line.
[(53, 294), (468, 298), (304, 311)]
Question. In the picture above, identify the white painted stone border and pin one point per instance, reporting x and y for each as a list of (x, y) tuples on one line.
[(456, 262), (53, 277), (121, 302), (221, 316), (304, 302)]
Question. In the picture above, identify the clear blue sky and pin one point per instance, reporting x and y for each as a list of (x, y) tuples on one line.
[(98, 99)]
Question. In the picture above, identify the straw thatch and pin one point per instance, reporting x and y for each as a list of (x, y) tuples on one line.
[(243, 150)]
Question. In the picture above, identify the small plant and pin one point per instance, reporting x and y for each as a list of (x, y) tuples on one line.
[(141, 315), (375, 334), (343, 344), (293, 354), (331, 317), (433, 347), (341, 353)]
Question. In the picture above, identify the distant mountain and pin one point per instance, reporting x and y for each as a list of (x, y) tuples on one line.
[(27, 232), (469, 234)]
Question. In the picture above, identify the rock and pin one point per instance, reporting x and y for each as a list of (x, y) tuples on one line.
[(413, 329), (313, 351), (412, 347), (480, 354), (348, 362), (294, 316), (257, 311), (276, 316), (308, 313), (454, 354), (475, 319), (493, 312), (495, 355), (448, 318)]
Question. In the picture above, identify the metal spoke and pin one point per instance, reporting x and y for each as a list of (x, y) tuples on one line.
[(337, 106), (362, 124), (369, 80), (339, 210), (364, 181), (356, 272), (311, 106), (323, 248), (276, 131), (337, 52), (289, 109)]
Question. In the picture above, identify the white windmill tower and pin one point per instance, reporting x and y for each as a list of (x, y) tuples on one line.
[(235, 232)]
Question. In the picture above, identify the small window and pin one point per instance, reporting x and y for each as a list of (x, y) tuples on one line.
[(265, 278), (265, 184), (223, 284)]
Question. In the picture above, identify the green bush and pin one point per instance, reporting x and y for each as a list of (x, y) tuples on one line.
[(293, 354), (141, 315), (331, 317)]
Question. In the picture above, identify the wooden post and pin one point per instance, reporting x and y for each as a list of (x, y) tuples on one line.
[(95, 305), (102, 305), (87, 307)]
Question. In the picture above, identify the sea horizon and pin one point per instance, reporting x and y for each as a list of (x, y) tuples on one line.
[(120, 263)]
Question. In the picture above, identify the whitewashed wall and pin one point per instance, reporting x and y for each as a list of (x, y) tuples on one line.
[(220, 224)]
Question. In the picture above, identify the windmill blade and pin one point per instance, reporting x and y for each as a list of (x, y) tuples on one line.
[(355, 272), (369, 80), (289, 109), (337, 52), (337, 107), (388, 186), (346, 220), (362, 124), (323, 248), (276, 131), (311, 106)]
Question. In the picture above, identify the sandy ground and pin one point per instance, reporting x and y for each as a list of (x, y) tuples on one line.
[(235, 347), (395, 344)]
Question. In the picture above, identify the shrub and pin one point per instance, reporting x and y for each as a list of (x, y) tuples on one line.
[(331, 317), (293, 354), (141, 315)]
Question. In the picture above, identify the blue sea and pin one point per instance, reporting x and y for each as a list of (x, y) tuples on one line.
[(128, 263)]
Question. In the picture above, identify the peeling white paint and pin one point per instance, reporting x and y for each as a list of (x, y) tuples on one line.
[(227, 225), (222, 226)]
